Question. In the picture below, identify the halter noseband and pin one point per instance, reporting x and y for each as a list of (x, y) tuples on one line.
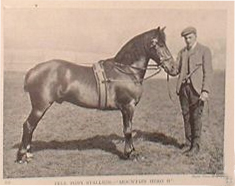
[(164, 59)]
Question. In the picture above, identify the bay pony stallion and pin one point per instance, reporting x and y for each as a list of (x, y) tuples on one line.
[(58, 80)]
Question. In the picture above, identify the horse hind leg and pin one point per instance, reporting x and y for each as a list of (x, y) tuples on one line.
[(36, 114)]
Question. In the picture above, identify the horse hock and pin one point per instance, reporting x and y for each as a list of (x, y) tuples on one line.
[(24, 152)]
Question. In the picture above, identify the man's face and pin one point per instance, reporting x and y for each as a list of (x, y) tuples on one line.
[(190, 39)]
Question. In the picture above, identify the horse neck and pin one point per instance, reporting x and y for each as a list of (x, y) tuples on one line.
[(142, 63), (134, 54), (138, 66)]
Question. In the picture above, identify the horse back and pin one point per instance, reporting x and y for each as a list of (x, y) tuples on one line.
[(59, 80)]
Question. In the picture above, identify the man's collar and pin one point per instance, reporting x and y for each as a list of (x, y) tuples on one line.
[(193, 46)]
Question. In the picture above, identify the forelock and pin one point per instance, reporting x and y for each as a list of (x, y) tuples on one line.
[(162, 35)]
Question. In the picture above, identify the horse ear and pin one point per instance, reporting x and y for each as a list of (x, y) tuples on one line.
[(163, 29), (158, 28)]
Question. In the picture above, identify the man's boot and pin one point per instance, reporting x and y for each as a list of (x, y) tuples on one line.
[(194, 150), (186, 146)]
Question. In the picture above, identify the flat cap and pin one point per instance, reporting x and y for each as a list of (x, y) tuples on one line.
[(188, 30)]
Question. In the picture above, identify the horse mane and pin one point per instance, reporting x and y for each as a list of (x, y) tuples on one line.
[(137, 46)]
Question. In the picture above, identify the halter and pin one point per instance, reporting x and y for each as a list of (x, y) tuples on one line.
[(163, 56), (162, 61), (155, 67)]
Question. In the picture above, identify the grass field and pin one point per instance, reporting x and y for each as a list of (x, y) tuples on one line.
[(74, 141)]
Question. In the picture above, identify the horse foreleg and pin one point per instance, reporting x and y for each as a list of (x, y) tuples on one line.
[(28, 127), (127, 113)]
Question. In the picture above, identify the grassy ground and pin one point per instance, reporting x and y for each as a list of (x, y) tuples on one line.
[(73, 141)]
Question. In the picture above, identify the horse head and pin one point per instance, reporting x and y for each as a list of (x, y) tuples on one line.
[(159, 52)]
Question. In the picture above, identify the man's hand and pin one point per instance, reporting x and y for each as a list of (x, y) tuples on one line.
[(204, 96)]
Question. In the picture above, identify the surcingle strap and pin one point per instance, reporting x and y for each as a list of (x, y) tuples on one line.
[(101, 83)]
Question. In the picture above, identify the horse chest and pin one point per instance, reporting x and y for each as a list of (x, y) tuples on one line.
[(126, 93)]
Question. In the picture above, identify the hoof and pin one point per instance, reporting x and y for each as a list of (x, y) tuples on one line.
[(22, 162), (192, 152), (29, 155), (23, 158), (134, 156), (127, 154), (137, 157)]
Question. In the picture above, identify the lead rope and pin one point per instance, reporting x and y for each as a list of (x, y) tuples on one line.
[(168, 88), (158, 70), (208, 110)]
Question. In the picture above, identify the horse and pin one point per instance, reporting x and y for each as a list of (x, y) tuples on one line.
[(59, 80)]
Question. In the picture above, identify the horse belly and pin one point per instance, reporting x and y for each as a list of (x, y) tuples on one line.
[(82, 95)]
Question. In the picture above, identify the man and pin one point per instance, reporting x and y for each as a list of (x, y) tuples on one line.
[(193, 87)]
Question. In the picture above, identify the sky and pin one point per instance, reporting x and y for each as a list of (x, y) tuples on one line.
[(37, 33)]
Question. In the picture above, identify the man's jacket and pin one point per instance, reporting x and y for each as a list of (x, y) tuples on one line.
[(200, 68)]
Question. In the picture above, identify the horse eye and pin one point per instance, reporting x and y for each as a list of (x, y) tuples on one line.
[(154, 42), (161, 44)]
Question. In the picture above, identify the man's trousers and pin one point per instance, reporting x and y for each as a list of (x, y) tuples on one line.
[(192, 108)]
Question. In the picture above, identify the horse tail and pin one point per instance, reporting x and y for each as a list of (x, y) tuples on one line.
[(26, 81), (29, 78), (36, 75)]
